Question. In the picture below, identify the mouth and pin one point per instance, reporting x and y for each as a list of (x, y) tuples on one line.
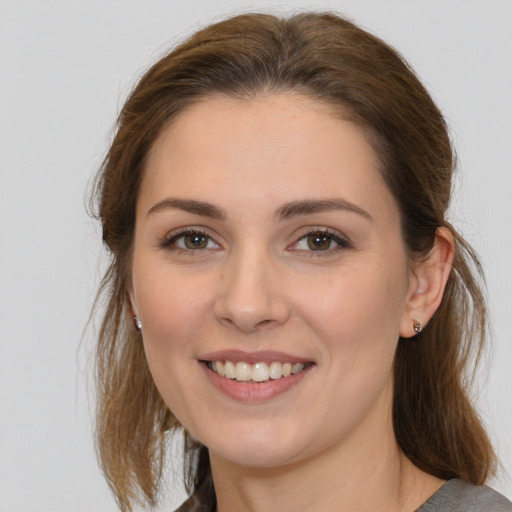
[(259, 372), (254, 377)]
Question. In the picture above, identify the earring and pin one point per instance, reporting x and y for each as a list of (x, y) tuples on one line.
[(418, 328), (138, 323)]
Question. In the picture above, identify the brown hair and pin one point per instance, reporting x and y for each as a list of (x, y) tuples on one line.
[(331, 60)]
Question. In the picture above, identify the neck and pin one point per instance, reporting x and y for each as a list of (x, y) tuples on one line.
[(365, 474)]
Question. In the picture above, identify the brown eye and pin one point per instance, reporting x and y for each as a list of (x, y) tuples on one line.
[(320, 242), (195, 241), (189, 241)]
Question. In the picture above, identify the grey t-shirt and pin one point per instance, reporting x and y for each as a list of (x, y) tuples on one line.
[(459, 496), (454, 496)]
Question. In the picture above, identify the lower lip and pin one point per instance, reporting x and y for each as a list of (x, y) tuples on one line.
[(247, 391)]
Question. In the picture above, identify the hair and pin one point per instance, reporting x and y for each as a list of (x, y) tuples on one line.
[(329, 59)]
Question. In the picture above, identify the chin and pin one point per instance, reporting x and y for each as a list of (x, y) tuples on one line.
[(256, 447), (254, 456)]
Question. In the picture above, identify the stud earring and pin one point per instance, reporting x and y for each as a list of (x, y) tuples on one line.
[(138, 323), (418, 328)]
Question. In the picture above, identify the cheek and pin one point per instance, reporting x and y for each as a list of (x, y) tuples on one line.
[(358, 321), (167, 313), (172, 310), (172, 306), (168, 300), (369, 298)]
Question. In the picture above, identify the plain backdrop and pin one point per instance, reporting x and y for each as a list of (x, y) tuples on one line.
[(66, 67)]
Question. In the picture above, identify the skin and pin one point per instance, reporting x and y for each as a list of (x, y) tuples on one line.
[(327, 443)]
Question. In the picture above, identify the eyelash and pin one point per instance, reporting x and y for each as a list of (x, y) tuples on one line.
[(331, 236), (343, 243), (169, 241)]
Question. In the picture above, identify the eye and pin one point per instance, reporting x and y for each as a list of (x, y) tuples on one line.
[(191, 240), (321, 241)]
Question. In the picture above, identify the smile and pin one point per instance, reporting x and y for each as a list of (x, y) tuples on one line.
[(254, 377), (257, 372)]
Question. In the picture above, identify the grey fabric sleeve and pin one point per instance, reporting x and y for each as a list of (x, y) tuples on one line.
[(459, 496)]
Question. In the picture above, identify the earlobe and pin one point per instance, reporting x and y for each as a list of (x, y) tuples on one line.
[(428, 282)]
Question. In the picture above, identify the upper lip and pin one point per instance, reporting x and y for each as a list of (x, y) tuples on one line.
[(263, 356)]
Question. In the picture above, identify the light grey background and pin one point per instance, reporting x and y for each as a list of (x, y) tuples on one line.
[(66, 67)]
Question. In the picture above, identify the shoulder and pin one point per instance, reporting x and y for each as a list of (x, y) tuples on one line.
[(459, 496)]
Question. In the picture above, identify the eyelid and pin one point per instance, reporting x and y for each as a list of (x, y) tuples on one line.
[(342, 240), (168, 241)]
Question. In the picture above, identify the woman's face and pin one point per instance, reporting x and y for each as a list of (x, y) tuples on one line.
[(267, 243)]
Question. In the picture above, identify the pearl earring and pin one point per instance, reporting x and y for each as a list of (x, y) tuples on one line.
[(138, 323)]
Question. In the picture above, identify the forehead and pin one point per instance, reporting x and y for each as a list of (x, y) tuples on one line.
[(273, 148)]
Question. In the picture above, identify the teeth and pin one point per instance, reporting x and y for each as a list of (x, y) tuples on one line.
[(243, 371), (297, 367), (229, 369), (276, 370), (259, 372), (219, 368)]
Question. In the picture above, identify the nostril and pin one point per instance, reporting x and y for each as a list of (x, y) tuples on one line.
[(263, 323), (226, 321)]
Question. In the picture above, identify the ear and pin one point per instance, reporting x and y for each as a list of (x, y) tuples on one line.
[(427, 282), (131, 295)]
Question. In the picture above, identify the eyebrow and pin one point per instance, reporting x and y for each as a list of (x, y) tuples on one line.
[(310, 206), (285, 212), (189, 205)]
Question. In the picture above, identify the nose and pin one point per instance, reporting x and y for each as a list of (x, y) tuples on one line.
[(251, 294)]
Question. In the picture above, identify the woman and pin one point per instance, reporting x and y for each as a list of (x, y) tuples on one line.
[(284, 286)]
